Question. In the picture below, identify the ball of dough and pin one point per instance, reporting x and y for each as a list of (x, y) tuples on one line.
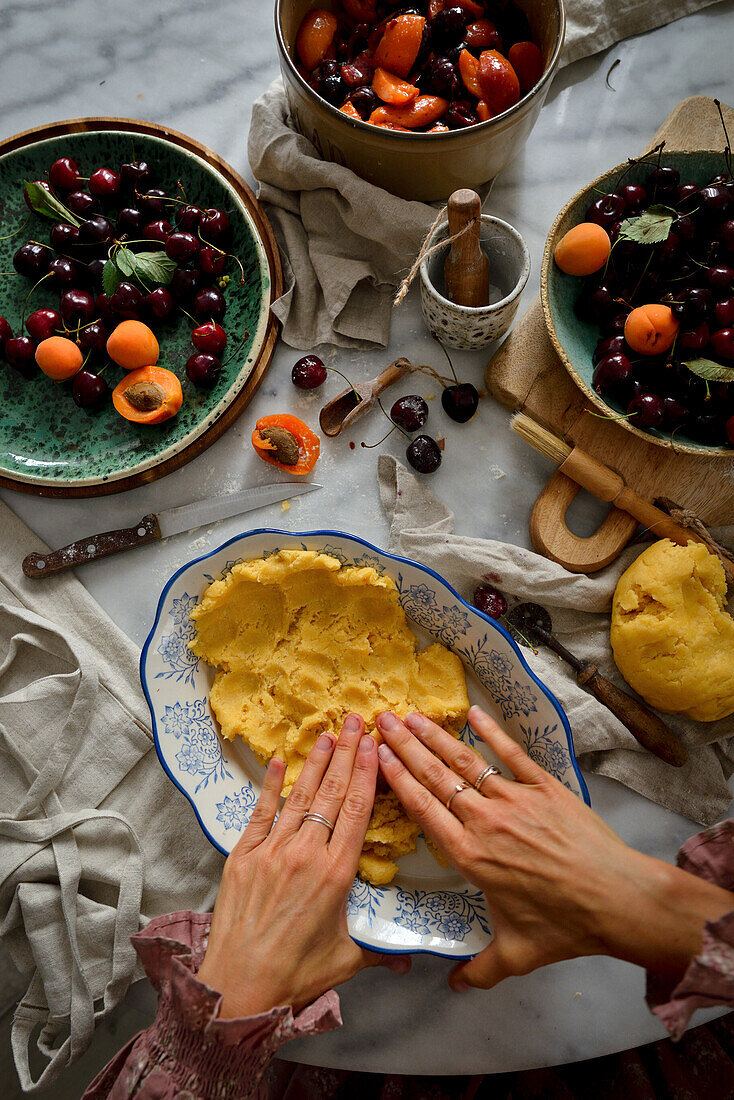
[(671, 635)]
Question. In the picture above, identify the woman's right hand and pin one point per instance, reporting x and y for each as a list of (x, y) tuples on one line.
[(559, 882)]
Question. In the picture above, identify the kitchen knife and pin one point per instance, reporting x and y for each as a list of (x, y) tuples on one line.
[(159, 526)]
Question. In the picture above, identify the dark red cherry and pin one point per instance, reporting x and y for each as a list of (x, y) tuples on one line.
[(684, 228), (105, 184), (410, 412), (64, 174), (43, 323), (94, 271), (88, 390), (606, 210), (63, 273), (153, 202), (77, 306), (706, 428), (424, 454), (676, 413), (20, 352), (211, 261), (686, 193), (6, 333), (726, 232), (187, 218), (662, 181), (612, 345), (81, 203), (160, 303), (730, 430), (490, 601), (694, 339), (203, 370), (130, 220), (39, 183), (460, 401), (96, 230), (723, 343), (182, 247), (209, 303), (127, 300), (215, 225), (724, 313), (720, 277), (103, 308), (135, 175), (185, 283), (211, 338), (715, 199), (32, 260), (611, 373), (93, 337), (308, 373), (158, 231), (648, 410), (634, 195), (63, 236)]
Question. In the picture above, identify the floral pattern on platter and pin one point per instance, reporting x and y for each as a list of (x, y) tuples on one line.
[(222, 780)]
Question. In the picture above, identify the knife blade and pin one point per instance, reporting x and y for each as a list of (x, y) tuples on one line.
[(160, 525)]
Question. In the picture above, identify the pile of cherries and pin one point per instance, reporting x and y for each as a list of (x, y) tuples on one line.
[(691, 271), (121, 206)]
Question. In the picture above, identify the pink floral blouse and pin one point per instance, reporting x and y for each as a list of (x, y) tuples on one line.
[(189, 1054)]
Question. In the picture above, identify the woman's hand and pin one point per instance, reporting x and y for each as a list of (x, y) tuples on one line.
[(279, 931), (560, 883)]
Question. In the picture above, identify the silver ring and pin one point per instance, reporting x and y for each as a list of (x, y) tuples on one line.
[(457, 790), (321, 820), (491, 769)]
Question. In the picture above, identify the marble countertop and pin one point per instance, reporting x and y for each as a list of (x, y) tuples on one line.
[(198, 68)]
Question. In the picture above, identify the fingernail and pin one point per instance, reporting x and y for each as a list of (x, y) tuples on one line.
[(325, 742), (275, 763), (351, 723), (387, 721), (460, 987), (385, 753), (367, 744), (414, 722)]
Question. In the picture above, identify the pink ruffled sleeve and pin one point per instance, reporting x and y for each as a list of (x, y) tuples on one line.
[(709, 979), (187, 1051)]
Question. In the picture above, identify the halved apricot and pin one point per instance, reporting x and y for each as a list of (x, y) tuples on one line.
[(349, 109), (650, 329), (483, 112), (391, 89), (315, 35), (423, 111), (438, 128), (469, 69), (132, 344), (498, 81), (58, 357), (148, 395), (527, 61), (583, 249), (398, 48)]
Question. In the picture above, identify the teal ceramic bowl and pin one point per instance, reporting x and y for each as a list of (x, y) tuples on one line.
[(48, 445), (575, 340)]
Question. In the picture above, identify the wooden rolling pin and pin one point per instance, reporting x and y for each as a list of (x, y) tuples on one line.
[(466, 268)]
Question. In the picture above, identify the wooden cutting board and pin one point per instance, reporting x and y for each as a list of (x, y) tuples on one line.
[(527, 374)]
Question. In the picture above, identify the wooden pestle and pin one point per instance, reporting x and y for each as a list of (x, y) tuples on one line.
[(466, 268)]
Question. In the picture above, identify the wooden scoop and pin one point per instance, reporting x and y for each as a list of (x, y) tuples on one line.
[(342, 411), (466, 269)]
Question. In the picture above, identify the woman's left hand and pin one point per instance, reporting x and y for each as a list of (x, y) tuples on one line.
[(279, 930)]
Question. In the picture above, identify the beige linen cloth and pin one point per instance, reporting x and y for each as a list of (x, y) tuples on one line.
[(94, 838), (422, 528), (346, 243)]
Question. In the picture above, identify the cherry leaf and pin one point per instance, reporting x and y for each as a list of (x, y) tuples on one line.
[(43, 202), (711, 371), (111, 276), (652, 227)]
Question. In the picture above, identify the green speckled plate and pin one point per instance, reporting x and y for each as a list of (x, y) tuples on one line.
[(49, 446), (575, 340)]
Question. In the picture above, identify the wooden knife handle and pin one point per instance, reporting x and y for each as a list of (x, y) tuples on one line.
[(642, 723), (91, 548)]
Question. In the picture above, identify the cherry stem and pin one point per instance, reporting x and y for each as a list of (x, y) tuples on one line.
[(348, 382), (606, 416), (236, 350), (196, 323), (28, 298), (513, 629), (369, 446), (18, 230), (221, 252), (448, 357)]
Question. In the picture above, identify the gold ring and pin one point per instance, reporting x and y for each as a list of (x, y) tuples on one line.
[(321, 820), (491, 769), (457, 789)]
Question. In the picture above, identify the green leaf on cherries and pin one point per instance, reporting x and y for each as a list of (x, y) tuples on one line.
[(652, 227), (111, 276), (124, 259), (43, 202), (711, 371), (154, 267)]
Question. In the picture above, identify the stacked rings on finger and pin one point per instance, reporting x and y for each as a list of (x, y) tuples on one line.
[(321, 820), (491, 769), (457, 790)]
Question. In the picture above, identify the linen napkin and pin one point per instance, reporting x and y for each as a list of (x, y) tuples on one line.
[(345, 243), (94, 838), (423, 528)]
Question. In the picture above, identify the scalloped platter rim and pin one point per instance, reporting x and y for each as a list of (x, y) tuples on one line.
[(426, 908)]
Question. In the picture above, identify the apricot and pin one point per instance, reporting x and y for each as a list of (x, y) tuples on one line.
[(398, 48), (132, 344), (498, 81), (315, 35), (469, 69), (391, 89), (527, 61), (583, 250), (483, 112), (58, 357), (349, 109), (650, 329), (423, 111)]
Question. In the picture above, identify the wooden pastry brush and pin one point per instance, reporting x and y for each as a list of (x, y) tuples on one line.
[(600, 480)]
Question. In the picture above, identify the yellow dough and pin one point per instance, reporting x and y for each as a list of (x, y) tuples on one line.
[(299, 641), (671, 635)]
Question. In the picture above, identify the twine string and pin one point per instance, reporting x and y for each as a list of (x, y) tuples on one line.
[(426, 250)]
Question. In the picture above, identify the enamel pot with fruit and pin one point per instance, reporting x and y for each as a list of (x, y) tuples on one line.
[(416, 165)]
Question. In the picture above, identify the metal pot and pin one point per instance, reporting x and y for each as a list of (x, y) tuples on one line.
[(418, 166)]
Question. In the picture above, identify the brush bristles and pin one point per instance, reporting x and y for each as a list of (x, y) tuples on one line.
[(540, 438)]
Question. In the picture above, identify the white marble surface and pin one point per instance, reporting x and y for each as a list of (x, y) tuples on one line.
[(198, 68)]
